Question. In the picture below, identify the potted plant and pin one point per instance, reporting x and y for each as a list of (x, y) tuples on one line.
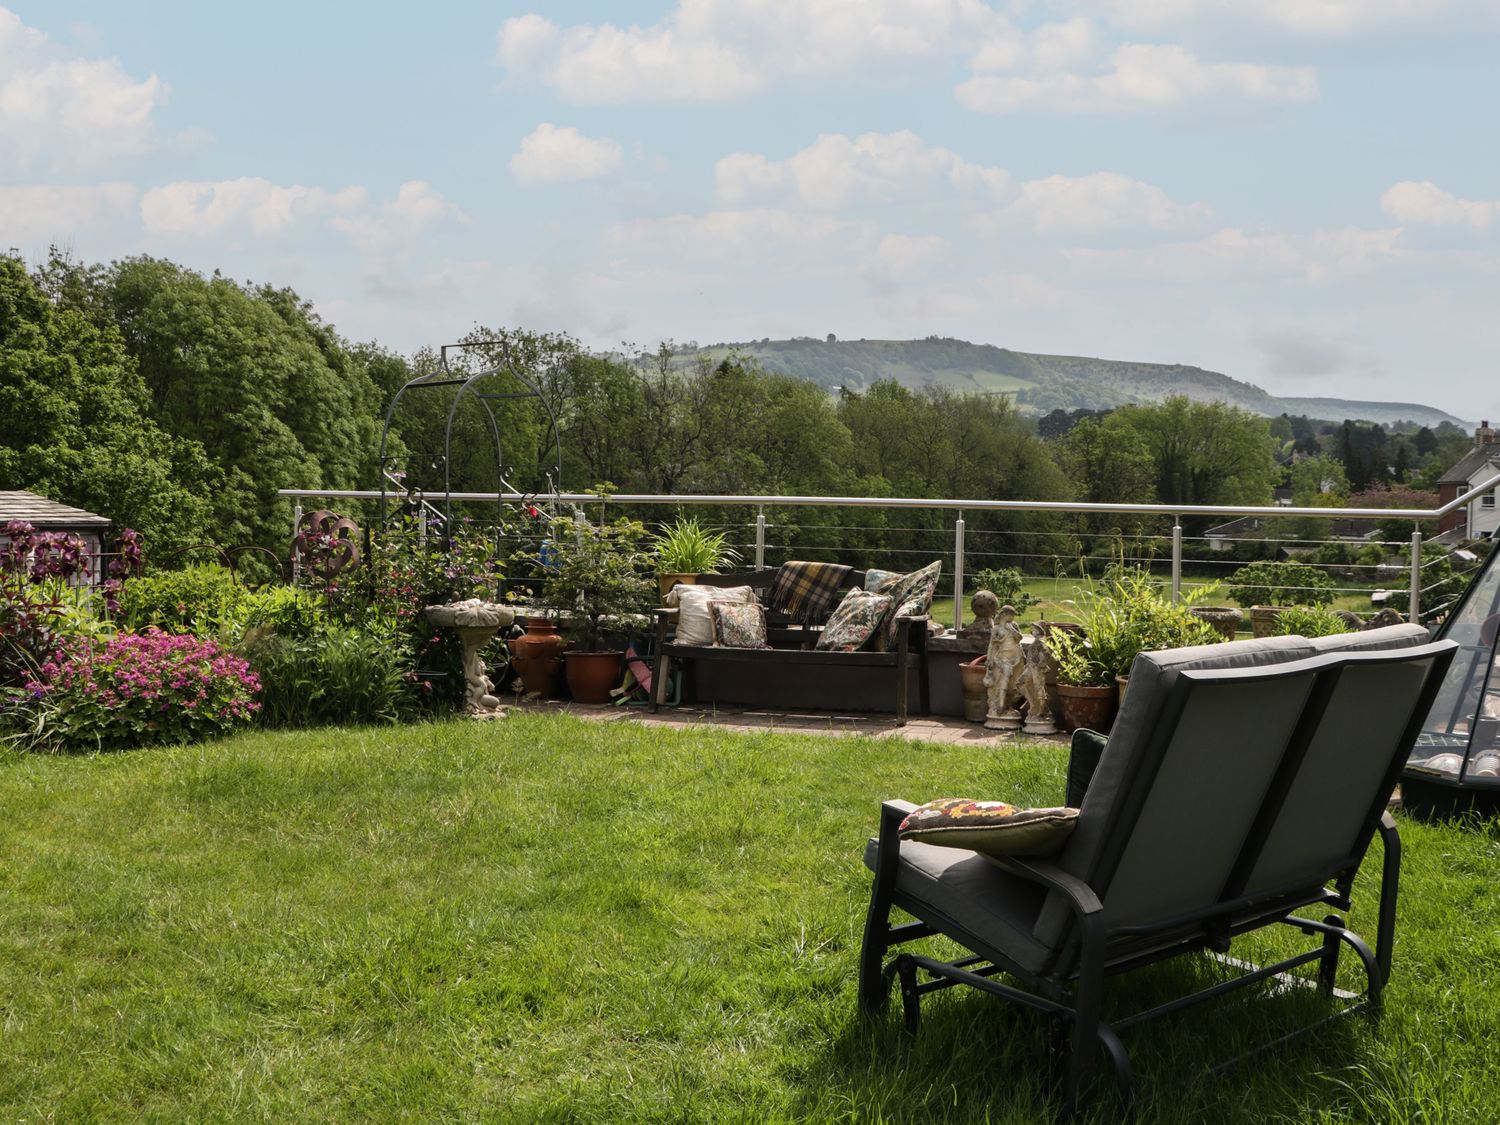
[(685, 549), (595, 580), (1269, 587)]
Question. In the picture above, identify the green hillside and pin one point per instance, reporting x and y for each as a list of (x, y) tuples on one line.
[(1040, 383)]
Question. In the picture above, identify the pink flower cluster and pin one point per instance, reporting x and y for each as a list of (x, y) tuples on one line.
[(146, 687)]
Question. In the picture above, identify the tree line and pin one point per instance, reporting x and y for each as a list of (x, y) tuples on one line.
[(179, 403)]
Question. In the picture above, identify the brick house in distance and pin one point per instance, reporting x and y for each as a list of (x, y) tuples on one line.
[(1479, 466)]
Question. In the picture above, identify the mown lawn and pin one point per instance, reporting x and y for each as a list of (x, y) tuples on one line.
[(552, 920)]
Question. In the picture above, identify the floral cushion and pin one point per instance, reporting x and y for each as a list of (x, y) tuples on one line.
[(694, 627), (989, 827), (879, 581), (854, 622), (911, 596), (739, 624)]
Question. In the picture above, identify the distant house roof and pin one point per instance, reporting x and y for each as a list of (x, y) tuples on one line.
[(1474, 460), (43, 513)]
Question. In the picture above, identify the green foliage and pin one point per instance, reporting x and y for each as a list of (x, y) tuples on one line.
[(1201, 452), (79, 425), (687, 547), (201, 599), (1123, 616), (1305, 621), (287, 611), (335, 674), (1281, 583), (597, 572), (1008, 584)]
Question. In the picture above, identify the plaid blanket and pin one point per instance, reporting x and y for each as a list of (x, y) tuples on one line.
[(805, 591)]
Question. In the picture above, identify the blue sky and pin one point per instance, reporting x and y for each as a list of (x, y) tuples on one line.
[(1300, 193)]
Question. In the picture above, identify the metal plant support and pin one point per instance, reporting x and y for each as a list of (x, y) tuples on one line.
[(443, 376)]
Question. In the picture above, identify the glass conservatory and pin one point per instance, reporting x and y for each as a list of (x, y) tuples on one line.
[(1455, 765)]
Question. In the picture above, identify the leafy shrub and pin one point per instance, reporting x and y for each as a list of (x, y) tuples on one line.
[(1123, 616), (1306, 621), (200, 599), (334, 675), (287, 611), (136, 689), (1280, 583), (1006, 583)]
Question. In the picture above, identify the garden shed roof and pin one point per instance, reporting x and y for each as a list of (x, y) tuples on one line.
[(43, 513)]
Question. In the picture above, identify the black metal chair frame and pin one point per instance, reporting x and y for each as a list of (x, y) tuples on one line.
[(1070, 994)]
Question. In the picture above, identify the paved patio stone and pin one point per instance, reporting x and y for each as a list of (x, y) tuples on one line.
[(750, 720)]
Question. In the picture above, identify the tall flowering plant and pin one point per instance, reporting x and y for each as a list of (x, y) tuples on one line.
[(36, 569), (136, 689)]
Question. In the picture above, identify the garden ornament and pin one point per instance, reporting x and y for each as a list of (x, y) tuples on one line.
[(1002, 670), (476, 622)]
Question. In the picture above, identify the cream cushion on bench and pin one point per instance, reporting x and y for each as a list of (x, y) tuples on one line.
[(694, 624)]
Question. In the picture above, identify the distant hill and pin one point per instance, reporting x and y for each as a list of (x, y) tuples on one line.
[(1040, 383)]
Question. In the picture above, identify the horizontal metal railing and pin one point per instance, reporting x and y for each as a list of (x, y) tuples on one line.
[(958, 530)]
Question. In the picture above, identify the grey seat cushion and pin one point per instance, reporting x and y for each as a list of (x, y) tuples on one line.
[(954, 887)]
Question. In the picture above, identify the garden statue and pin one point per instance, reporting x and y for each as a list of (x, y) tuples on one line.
[(476, 622), (1002, 672), (1037, 671), (985, 605)]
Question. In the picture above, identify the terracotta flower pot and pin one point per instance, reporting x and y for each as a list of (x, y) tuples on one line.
[(976, 696), (591, 675), (1085, 706), (537, 657)]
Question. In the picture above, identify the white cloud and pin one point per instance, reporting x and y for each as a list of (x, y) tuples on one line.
[(61, 113), (552, 155), (1314, 19), (723, 237), (31, 213), (416, 208), (706, 50), (1426, 204), (835, 171), (200, 208), (1103, 201), (901, 257), (1315, 257), (1133, 77)]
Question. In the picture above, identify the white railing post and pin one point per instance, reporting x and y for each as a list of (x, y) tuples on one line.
[(760, 539), (1413, 614), (1177, 558), (958, 572), (296, 528)]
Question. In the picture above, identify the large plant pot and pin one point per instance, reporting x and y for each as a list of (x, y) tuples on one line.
[(665, 582), (1083, 706), (591, 675), (1263, 619), (1224, 618), (976, 697), (537, 657)]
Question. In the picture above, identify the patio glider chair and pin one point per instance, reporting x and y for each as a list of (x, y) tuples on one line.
[(1243, 783)]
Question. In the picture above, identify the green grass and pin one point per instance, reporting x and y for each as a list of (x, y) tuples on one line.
[(1054, 596), (552, 920)]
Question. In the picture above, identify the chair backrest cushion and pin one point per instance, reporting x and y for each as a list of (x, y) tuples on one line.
[(1152, 677), (1345, 770)]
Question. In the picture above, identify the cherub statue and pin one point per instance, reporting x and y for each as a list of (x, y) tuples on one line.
[(1002, 668), (1037, 671)]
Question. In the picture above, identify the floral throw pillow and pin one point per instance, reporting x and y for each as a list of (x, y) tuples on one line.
[(911, 595), (854, 622), (739, 624), (989, 827), (694, 626)]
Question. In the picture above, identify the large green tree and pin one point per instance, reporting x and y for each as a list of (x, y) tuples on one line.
[(270, 392), (75, 421), (1202, 452)]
